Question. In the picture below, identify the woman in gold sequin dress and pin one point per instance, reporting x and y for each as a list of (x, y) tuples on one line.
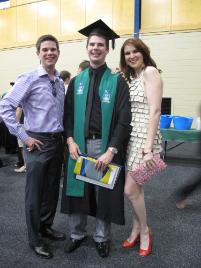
[(145, 87)]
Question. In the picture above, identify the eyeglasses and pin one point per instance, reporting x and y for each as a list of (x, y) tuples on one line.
[(54, 90)]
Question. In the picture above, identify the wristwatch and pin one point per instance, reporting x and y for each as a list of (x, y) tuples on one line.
[(113, 150)]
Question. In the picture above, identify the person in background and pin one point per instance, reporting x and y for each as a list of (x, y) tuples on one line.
[(21, 160), (41, 94), (9, 140), (185, 193), (145, 87), (1, 136), (65, 76), (1, 163), (97, 118), (1, 141), (116, 70), (83, 65)]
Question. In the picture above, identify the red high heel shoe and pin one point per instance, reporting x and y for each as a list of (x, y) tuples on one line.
[(127, 244), (146, 252)]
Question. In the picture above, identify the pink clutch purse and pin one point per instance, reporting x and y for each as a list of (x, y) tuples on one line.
[(142, 173)]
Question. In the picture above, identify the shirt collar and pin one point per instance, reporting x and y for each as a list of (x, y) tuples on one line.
[(43, 72), (99, 69)]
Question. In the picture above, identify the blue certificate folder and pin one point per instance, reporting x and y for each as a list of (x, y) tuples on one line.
[(85, 171)]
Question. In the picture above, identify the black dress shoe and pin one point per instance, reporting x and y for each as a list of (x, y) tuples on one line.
[(42, 251), (48, 232), (73, 244), (103, 248)]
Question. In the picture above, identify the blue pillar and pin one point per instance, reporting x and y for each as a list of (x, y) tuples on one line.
[(137, 18)]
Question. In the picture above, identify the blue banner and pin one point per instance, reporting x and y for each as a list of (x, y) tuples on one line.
[(4, 4)]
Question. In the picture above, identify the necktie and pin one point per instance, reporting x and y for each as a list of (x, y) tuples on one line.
[(89, 103)]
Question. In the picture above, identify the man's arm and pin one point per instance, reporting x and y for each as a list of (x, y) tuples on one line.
[(8, 106), (69, 122), (69, 111), (18, 113), (122, 127)]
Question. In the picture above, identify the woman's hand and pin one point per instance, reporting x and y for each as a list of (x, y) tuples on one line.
[(148, 159)]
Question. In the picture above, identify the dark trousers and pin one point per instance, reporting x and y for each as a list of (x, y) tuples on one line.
[(1, 163), (42, 185), (20, 162), (9, 141)]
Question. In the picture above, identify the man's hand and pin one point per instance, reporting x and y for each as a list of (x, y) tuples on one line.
[(104, 160), (33, 144), (73, 148)]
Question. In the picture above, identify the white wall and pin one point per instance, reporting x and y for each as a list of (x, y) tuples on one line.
[(17, 61), (178, 55)]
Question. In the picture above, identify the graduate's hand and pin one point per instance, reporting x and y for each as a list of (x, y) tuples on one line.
[(33, 144), (74, 149), (104, 160)]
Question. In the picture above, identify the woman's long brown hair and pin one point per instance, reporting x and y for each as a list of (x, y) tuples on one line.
[(143, 49)]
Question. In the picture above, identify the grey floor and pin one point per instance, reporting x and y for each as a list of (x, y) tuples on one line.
[(177, 233)]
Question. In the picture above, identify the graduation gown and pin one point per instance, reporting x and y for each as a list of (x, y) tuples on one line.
[(110, 206)]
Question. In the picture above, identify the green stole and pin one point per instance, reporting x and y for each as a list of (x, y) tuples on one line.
[(107, 93)]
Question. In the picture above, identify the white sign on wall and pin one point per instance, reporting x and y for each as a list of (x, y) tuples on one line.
[(4, 4)]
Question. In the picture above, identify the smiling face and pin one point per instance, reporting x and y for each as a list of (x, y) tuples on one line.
[(97, 50), (133, 58), (48, 54)]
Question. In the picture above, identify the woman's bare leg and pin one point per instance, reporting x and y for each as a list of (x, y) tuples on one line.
[(135, 194)]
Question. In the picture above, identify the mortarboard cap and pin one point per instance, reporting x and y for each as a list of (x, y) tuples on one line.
[(100, 28)]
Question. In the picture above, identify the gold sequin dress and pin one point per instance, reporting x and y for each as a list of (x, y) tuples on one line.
[(139, 123)]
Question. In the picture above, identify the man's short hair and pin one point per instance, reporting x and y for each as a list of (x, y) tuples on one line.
[(65, 75), (46, 37)]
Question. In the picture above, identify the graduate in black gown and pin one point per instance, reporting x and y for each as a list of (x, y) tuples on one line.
[(104, 135)]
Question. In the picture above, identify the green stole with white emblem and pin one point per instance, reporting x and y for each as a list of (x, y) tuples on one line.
[(107, 93)]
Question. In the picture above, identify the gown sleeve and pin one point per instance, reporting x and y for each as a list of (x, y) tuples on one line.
[(122, 116), (69, 111)]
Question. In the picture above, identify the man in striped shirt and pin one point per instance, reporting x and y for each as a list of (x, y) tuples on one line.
[(41, 95)]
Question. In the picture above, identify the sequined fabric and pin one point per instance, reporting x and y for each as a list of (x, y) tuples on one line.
[(141, 173), (139, 123)]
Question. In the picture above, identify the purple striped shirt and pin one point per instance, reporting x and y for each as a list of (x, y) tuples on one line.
[(43, 112)]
